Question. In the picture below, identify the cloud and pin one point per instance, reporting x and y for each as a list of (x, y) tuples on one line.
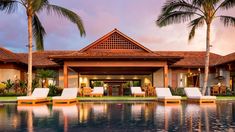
[(135, 18)]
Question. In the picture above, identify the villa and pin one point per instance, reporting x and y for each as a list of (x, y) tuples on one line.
[(118, 61)]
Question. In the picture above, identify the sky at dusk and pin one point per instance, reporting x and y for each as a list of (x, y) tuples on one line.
[(135, 18)]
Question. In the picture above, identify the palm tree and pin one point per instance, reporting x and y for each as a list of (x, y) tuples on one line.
[(199, 13), (35, 28)]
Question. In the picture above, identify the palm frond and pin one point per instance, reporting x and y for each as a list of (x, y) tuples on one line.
[(226, 4), (38, 4), (9, 6), (198, 22), (70, 15), (201, 3), (227, 20), (179, 5), (38, 33), (174, 17), (197, 3)]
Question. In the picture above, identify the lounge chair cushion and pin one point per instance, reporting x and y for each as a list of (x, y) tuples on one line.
[(170, 97), (40, 92), (136, 90), (69, 93), (63, 98), (29, 98), (163, 92), (192, 92), (98, 90), (204, 97)]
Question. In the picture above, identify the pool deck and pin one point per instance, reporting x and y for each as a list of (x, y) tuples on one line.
[(119, 98)]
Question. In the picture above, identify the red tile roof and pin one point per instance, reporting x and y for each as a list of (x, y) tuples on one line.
[(109, 54), (191, 58), (40, 58), (8, 56), (226, 59), (115, 40)]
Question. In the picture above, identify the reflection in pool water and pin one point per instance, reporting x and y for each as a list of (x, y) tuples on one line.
[(133, 116)]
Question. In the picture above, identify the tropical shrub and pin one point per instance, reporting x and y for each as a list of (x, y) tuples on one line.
[(43, 75), (35, 83), (54, 90), (20, 87), (13, 94), (178, 91), (2, 88), (9, 84), (23, 86)]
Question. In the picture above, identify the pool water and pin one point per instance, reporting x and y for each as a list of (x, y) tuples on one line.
[(119, 116)]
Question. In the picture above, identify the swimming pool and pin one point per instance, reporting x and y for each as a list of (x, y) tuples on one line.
[(119, 116)]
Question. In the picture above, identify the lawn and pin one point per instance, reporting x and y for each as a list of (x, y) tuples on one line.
[(119, 98), (8, 98)]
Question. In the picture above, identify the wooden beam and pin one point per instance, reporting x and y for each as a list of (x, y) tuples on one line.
[(65, 76), (78, 79), (115, 63), (166, 76)]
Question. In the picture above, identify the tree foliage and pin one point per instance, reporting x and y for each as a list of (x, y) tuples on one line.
[(37, 6), (198, 13)]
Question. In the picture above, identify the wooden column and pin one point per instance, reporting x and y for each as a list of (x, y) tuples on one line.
[(165, 76), (78, 79), (65, 76)]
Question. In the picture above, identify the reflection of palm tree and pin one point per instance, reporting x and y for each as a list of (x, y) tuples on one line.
[(35, 28), (177, 11)]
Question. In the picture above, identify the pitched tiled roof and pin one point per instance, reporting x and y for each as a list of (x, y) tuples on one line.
[(8, 56), (110, 54), (40, 58), (115, 40), (191, 58), (226, 59)]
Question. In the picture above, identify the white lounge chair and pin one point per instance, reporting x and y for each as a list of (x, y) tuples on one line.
[(39, 95), (164, 95), (194, 95), (69, 95), (136, 91), (97, 91)]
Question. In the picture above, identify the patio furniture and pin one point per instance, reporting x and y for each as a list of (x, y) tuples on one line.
[(39, 95), (86, 91), (215, 90), (69, 95), (136, 91), (164, 95), (194, 95), (223, 90), (97, 91)]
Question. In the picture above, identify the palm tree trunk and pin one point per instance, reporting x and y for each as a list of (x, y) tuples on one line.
[(207, 58), (30, 48)]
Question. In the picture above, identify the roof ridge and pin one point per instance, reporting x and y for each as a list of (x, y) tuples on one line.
[(120, 33)]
